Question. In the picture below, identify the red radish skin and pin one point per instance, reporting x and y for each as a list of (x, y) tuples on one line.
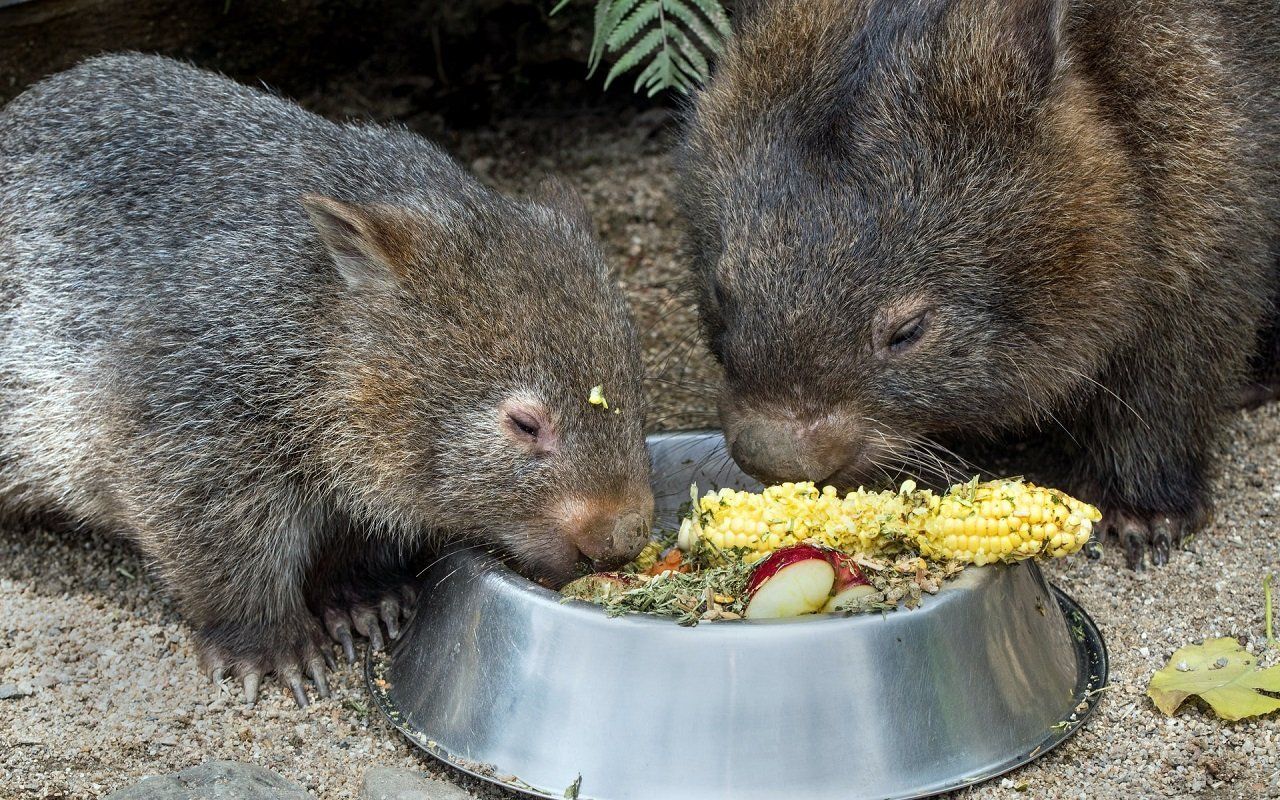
[(847, 572), (790, 582), (784, 557)]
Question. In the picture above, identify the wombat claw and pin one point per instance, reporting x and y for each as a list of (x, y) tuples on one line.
[(392, 609), (1140, 532), (311, 656)]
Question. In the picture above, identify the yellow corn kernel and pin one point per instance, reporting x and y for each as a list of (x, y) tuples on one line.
[(1005, 521), (974, 522)]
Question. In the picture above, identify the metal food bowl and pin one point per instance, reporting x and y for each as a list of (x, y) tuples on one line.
[(497, 676)]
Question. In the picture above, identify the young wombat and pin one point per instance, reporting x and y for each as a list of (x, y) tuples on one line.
[(927, 222), (283, 354)]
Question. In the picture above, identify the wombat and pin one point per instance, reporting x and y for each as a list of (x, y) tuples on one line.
[(917, 225), (283, 355)]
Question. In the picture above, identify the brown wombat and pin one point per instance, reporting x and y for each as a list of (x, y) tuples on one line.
[(283, 355), (927, 223)]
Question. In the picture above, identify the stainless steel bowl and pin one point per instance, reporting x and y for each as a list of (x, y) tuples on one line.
[(500, 678)]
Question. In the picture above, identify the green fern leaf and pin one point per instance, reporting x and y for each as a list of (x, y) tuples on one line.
[(670, 41), (609, 13), (646, 74), (655, 77), (715, 12), (646, 45), (683, 74), (696, 24), (639, 19), (597, 37), (698, 68), (664, 77)]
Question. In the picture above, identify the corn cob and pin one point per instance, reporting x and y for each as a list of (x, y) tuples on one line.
[(757, 523), (981, 523), (977, 523)]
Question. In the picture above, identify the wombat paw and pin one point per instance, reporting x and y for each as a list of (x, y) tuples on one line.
[(1139, 532), (302, 652), (367, 619)]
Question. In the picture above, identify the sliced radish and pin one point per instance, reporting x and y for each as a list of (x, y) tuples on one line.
[(850, 598), (851, 585), (847, 573), (789, 582)]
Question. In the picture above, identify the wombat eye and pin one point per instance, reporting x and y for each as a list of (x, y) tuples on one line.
[(523, 424), (909, 332)]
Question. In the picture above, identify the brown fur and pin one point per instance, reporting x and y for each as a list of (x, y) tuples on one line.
[(1084, 194)]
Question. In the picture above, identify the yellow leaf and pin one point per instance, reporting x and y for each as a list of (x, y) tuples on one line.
[(1223, 674)]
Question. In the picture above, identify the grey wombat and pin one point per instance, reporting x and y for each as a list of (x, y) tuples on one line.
[(282, 354), (919, 224)]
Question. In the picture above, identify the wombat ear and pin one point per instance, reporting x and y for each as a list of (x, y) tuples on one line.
[(557, 193), (369, 244)]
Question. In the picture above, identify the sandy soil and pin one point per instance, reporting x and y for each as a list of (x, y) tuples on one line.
[(109, 676)]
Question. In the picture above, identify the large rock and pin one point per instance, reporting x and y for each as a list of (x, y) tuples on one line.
[(390, 783), (215, 780)]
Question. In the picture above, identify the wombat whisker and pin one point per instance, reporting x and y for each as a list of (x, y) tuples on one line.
[(677, 352), (963, 468), (684, 383), (1103, 387), (440, 556), (916, 454), (666, 309), (1037, 409)]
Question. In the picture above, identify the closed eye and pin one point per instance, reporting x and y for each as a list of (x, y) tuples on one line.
[(523, 424), (909, 332)]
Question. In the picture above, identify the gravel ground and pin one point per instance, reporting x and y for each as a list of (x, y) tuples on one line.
[(108, 685)]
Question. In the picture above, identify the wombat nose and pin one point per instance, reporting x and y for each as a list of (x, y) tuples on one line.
[(610, 536), (630, 532), (774, 451)]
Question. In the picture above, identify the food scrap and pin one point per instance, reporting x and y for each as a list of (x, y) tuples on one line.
[(596, 398), (794, 549)]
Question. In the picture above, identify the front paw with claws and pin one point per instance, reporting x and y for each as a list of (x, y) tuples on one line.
[(293, 654), (367, 616), (1156, 533)]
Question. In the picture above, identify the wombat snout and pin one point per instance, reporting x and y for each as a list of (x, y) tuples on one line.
[(776, 448), (609, 531)]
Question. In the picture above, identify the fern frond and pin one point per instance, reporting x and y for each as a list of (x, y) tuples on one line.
[(632, 25), (688, 50), (647, 74), (672, 39), (609, 14), (647, 44), (705, 35), (715, 12)]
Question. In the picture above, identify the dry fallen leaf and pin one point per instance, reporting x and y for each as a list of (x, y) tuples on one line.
[(1223, 674)]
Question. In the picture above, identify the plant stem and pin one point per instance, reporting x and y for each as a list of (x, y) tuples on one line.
[(1266, 595)]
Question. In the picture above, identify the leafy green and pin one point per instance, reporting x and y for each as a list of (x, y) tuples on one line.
[(668, 41), (1220, 672)]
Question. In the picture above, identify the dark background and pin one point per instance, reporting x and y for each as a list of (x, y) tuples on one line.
[(466, 60)]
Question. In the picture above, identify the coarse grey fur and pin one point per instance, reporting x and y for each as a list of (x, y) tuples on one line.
[(283, 354)]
